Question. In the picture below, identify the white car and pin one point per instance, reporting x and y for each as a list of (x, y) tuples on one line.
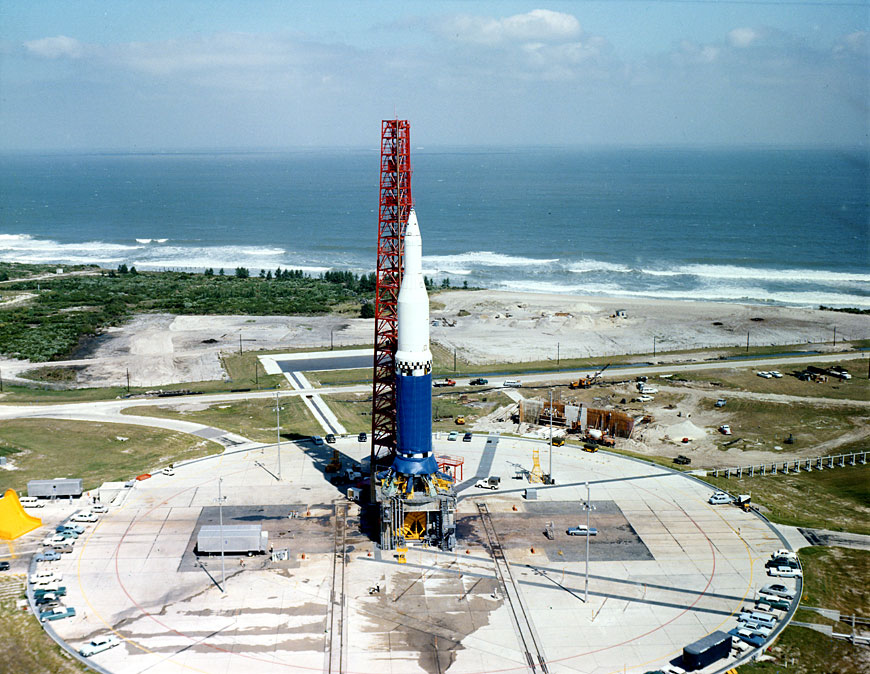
[(766, 375), (99, 645), (725, 429), (168, 471), (719, 498), (784, 572), (647, 390), (50, 541), (84, 517), (45, 577), (790, 554), (99, 508), (776, 374)]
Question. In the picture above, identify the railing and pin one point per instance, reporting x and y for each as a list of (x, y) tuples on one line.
[(793, 465)]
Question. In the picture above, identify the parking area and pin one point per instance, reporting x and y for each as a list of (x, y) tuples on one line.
[(665, 569)]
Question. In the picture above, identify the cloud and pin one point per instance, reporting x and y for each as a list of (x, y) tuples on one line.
[(55, 47), (743, 37), (539, 25)]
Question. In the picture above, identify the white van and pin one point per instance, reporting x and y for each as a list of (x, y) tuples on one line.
[(719, 498), (30, 502), (759, 617)]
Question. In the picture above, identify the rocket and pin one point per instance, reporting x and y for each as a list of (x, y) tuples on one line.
[(413, 364)]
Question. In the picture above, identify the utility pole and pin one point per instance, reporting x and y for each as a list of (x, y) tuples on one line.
[(747, 341), (588, 506), (278, 417), (257, 372), (654, 346), (1, 382), (454, 359), (835, 335), (221, 519), (240, 343), (550, 469), (557, 354), (331, 332), (128, 380)]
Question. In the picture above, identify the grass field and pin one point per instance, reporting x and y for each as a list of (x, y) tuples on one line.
[(734, 379), (254, 419), (23, 644), (765, 425), (833, 579), (836, 499), (50, 448), (353, 411)]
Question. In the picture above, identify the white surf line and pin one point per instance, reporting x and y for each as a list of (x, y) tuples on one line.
[(316, 405)]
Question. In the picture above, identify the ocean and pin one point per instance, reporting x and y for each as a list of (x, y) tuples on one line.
[(788, 227)]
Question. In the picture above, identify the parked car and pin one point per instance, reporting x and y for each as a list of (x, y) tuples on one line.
[(48, 556), (58, 613), (772, 602), (492, 482), (682, 460), (778, 590), (790, 562), (750, 637), (782, 552), (99, 508), (765, 375), (46, 599), (57, 590), (362, 437), (84, 517), (453, 435), (48, 541), (330, 438), (317, 440), (784, 572), (168, 471), (4, 566), (99, 644), (77, 528), (480, 381), (467, 437), (719, 498), (63, 548), (45, 577), (725, 429), (721, 402), (582, 531), (776, 374)]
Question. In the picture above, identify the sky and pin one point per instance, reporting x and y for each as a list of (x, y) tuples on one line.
[(123, 75)]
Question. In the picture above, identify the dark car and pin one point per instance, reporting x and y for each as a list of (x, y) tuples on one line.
[(362, 437), (466, 437), (4, 566), (682, 460), (782, 561), (480, 381), (330, 438)]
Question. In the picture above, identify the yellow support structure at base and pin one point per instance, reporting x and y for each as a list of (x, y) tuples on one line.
[(536, 475), (14, 522)]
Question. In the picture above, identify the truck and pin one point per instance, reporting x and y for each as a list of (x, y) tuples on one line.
[(706, 651), (492, 482), (444, 382), (247, 539)]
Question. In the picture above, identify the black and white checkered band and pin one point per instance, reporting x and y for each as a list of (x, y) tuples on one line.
[(406, 368)]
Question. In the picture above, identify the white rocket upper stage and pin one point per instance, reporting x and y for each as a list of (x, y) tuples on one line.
[(413, 355)]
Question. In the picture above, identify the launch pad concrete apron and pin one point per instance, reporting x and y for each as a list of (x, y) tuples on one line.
[(666, 569)]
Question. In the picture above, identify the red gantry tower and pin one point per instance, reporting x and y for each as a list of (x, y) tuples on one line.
[(394, 206)]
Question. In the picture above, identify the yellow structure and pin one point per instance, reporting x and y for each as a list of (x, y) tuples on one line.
[(536, 475), (14, 522)]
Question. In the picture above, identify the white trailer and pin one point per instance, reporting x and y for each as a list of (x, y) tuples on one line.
[(249, 539)]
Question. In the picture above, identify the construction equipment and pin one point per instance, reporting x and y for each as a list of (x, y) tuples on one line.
[(334, 465), (460, 421), (586, 382)]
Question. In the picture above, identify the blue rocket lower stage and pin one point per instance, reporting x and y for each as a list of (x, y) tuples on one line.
[(414, 426)]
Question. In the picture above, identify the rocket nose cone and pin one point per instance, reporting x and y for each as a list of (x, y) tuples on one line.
[(413, 229)]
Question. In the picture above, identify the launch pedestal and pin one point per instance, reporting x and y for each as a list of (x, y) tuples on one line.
[(423, 519)]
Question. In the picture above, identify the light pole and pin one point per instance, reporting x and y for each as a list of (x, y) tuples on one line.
[(221, 520), (550, 470), (588, 507), (654, 346), (331, 332), (278, 418), (557, 353)]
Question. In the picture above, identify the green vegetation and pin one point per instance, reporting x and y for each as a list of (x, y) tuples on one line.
[(254, 419), (18, 270), (845, 310), (727, 380), (95, 452), (833, 580), (353, 412), (836, 499), (62, 375), (69, 309), (765, 425), (23, 643)]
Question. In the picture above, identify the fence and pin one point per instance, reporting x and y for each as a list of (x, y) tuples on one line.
[(793, 465)]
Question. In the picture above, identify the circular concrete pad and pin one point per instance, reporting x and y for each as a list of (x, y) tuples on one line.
[(666, 569)]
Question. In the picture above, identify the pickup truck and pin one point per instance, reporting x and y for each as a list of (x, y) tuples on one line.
[(444, 382), (480, 381)]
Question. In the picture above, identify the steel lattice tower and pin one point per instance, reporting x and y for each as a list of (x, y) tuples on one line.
[(394, 206)]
